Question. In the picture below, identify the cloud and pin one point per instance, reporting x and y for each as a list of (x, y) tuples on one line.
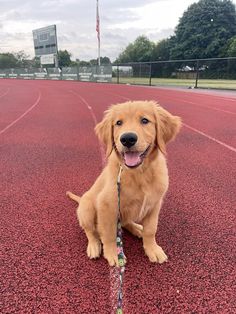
[(121, 22)]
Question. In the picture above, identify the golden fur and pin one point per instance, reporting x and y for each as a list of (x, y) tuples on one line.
[(142, 187)]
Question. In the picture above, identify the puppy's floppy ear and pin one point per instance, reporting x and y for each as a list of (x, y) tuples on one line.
[(104, 131), (167, 127)]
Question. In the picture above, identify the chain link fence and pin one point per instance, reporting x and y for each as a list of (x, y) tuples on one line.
[(217, 73), (202, 73)]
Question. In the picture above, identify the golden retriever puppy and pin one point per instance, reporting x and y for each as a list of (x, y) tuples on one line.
[(135, 134)]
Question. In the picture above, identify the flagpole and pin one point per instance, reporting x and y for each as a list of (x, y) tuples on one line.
[(98, 32), (99, 59)]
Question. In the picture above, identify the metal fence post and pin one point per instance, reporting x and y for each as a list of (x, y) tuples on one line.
[(197, 74), (118, 74), (77, 69), (150, 74), (228, 69)]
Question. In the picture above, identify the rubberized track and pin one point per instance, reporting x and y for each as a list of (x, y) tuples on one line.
[(47, 146)]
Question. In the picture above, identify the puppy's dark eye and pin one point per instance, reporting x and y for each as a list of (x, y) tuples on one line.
[(144, 121), (119, 122)]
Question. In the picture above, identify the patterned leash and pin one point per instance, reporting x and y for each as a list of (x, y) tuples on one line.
[(120, 252)]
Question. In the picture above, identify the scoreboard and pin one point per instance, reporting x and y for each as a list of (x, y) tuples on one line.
[(45, 40)]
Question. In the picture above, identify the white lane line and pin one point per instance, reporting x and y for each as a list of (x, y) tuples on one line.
[(210, 137), (205, 106), (185, 101), (198, 93), (21, 116), (5, 93), (113, 271), (114, 94), (191, 102), (228, 98), (87, 105), (197, 131), (102, 152), (194, 91), (197, 104)]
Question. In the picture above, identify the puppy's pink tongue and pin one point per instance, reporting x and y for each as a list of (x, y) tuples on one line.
[(132, 159)]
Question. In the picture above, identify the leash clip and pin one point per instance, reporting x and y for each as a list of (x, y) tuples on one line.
[(119, 175)]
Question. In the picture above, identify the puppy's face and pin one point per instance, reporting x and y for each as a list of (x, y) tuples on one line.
[(135, 130)]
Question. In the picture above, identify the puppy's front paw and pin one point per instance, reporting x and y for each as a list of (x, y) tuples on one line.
[(155, 254), (110, 254), (94, 249)]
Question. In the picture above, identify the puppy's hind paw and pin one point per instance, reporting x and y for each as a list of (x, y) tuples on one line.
[(135, 229), (156, 254), (94, 249), (138, 230)]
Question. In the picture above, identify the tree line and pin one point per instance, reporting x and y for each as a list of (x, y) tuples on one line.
[(22, 60), (207, 29)]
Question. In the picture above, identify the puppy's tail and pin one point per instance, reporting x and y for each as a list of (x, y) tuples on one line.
[(74, 197)]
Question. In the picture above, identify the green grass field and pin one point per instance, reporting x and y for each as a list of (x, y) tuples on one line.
[(221, 84)]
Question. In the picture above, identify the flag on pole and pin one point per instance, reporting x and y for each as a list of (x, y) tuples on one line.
[(98, 24)]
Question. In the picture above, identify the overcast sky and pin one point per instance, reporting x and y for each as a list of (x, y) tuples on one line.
[(121, 21)]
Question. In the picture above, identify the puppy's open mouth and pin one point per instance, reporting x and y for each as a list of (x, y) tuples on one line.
[(133, 159)]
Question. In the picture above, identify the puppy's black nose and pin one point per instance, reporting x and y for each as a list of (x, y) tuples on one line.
[(128, 139)]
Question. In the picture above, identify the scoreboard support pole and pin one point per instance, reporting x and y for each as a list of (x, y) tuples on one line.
[(56, 61)]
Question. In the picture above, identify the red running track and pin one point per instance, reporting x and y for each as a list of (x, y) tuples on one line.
[(47, 146)]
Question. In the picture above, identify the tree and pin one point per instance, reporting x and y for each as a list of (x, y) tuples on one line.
[(231, 48), (105, 60), (140, 50), (64, 58), (8, 60), (35, 62), (231, 52), (83, 63), (204, 29), (73, 64), (22, 59), (161, 50), (93, 62)]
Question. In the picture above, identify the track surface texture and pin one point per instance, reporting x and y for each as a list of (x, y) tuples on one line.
[(48, 146)]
